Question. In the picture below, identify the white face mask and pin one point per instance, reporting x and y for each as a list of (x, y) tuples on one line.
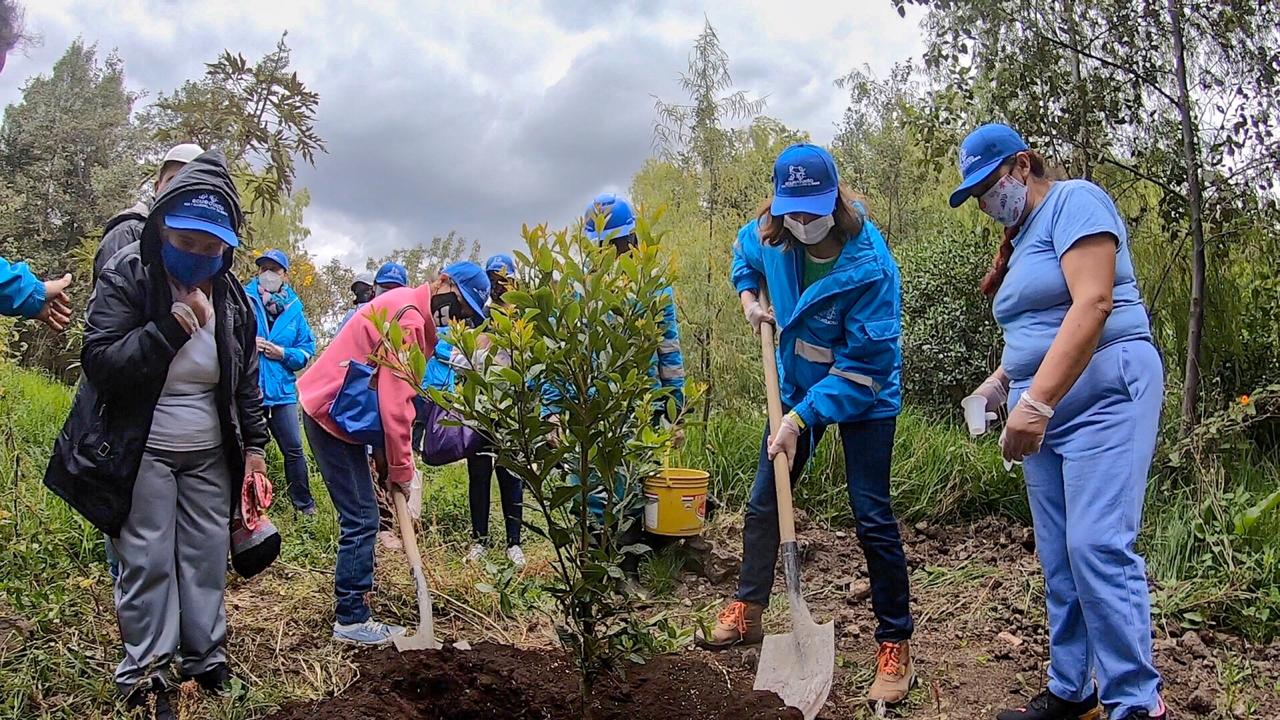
[(271, 281), (812, 233), (1005, 201)]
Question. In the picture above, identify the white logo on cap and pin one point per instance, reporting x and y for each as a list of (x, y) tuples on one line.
[(798, 177), (967, 161), (208, 201)]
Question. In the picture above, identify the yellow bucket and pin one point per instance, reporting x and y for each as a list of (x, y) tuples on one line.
[(675, 502)]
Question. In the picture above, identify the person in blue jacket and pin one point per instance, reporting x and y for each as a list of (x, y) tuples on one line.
[(1084, 385), (619, 229), (836, 304), (22, 294), (286, 344)]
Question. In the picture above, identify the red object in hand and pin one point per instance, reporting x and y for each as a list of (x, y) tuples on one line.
[(255, 498)]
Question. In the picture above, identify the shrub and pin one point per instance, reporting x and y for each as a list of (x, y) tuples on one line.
[(950, 341)]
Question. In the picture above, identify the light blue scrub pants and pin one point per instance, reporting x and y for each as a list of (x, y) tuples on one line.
[(1086, 487)]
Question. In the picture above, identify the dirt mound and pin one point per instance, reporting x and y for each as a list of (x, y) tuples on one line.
[(497, 682)]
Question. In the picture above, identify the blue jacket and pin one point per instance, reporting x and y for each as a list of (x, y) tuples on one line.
[(668, 366), (21, 292), (440, 374), (290, 332), (839, 359)]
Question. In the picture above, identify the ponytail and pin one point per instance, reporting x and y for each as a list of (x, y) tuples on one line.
[(999, 265)]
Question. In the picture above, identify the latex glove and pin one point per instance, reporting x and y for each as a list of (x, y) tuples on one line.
[(757, 315), (56, 311), (197, 308), (415, 495), (995, 390), (785, 440), (1024, 433)]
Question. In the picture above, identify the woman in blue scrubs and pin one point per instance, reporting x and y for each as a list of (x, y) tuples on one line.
[(1084, 384)]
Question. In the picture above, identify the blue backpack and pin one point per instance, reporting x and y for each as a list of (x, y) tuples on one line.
[(355, 409)]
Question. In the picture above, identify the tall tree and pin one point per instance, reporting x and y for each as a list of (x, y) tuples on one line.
[(1180, 95), (692, 134), (261, 115), (879, 153), (424, 261), (69, 157)]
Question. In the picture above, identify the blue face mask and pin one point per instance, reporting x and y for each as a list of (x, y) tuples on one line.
[(189, 268)]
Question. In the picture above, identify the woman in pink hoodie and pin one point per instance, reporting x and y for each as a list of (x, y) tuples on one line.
[(342, 461)]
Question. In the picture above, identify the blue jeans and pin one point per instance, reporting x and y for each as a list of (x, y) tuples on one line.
[(1086, 487), (868, 454), (283, 421), (345, 469)]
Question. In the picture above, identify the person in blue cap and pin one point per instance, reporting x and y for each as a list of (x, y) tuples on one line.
[(1083, 384), (619, 229), (390, 276), (287, 344), (171, 407), (501, 269), (836, 292)]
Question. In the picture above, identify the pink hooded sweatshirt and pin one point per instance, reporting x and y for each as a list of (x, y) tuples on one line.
[(318, 387)]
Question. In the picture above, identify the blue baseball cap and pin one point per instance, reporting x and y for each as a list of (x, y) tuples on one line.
[(472, 282), (392, 274), (500, 263), (621, 220), (203, 211), (981, 153), (805, 180), (274, 255)]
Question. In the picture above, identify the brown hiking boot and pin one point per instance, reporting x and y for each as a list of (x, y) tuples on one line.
[(894, 675), (738, 624)]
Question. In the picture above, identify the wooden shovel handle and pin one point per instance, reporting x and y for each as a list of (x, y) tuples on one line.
[(781, 469), (405, 521)]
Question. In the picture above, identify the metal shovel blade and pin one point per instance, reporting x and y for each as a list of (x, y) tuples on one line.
[(425, 637), (798, 666)]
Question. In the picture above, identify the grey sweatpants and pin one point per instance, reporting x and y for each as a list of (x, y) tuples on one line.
[(173, 566)]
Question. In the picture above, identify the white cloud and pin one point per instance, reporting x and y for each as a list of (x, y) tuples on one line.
[(480, 116)]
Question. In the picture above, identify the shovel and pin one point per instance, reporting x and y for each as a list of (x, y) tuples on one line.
[(425, 637), (798, 665)]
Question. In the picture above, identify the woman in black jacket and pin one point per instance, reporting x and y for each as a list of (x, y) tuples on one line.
[(164, 428)]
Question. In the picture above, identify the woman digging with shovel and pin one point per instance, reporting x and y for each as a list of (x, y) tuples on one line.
[(836, 292)]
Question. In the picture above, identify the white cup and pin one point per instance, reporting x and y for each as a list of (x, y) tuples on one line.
[(976, 415)]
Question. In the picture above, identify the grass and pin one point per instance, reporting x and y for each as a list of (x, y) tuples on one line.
[(59, 643)]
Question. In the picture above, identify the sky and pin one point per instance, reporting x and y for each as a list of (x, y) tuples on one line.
[(480, 116)]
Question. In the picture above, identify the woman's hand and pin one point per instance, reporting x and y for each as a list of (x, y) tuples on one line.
[(1024, 433), (755, 312), (785, 440), (56, 311), (255, 461), (995, 390), (272, 350), (192, 309)]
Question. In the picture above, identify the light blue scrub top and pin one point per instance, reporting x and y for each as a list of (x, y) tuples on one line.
[(1033, 299)]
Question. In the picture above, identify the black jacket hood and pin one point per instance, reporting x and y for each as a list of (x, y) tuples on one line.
[(207, 173)]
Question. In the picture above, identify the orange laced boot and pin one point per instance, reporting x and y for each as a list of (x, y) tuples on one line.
[(738, 624), (894, 675)]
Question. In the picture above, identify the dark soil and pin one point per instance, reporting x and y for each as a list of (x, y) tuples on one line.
[(980, 643), (498, 682)]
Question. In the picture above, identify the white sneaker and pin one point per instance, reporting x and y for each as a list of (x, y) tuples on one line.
[(473, 556), (516, 556), (370, 632)]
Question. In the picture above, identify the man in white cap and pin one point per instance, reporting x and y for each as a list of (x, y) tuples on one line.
[(125, 228)]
